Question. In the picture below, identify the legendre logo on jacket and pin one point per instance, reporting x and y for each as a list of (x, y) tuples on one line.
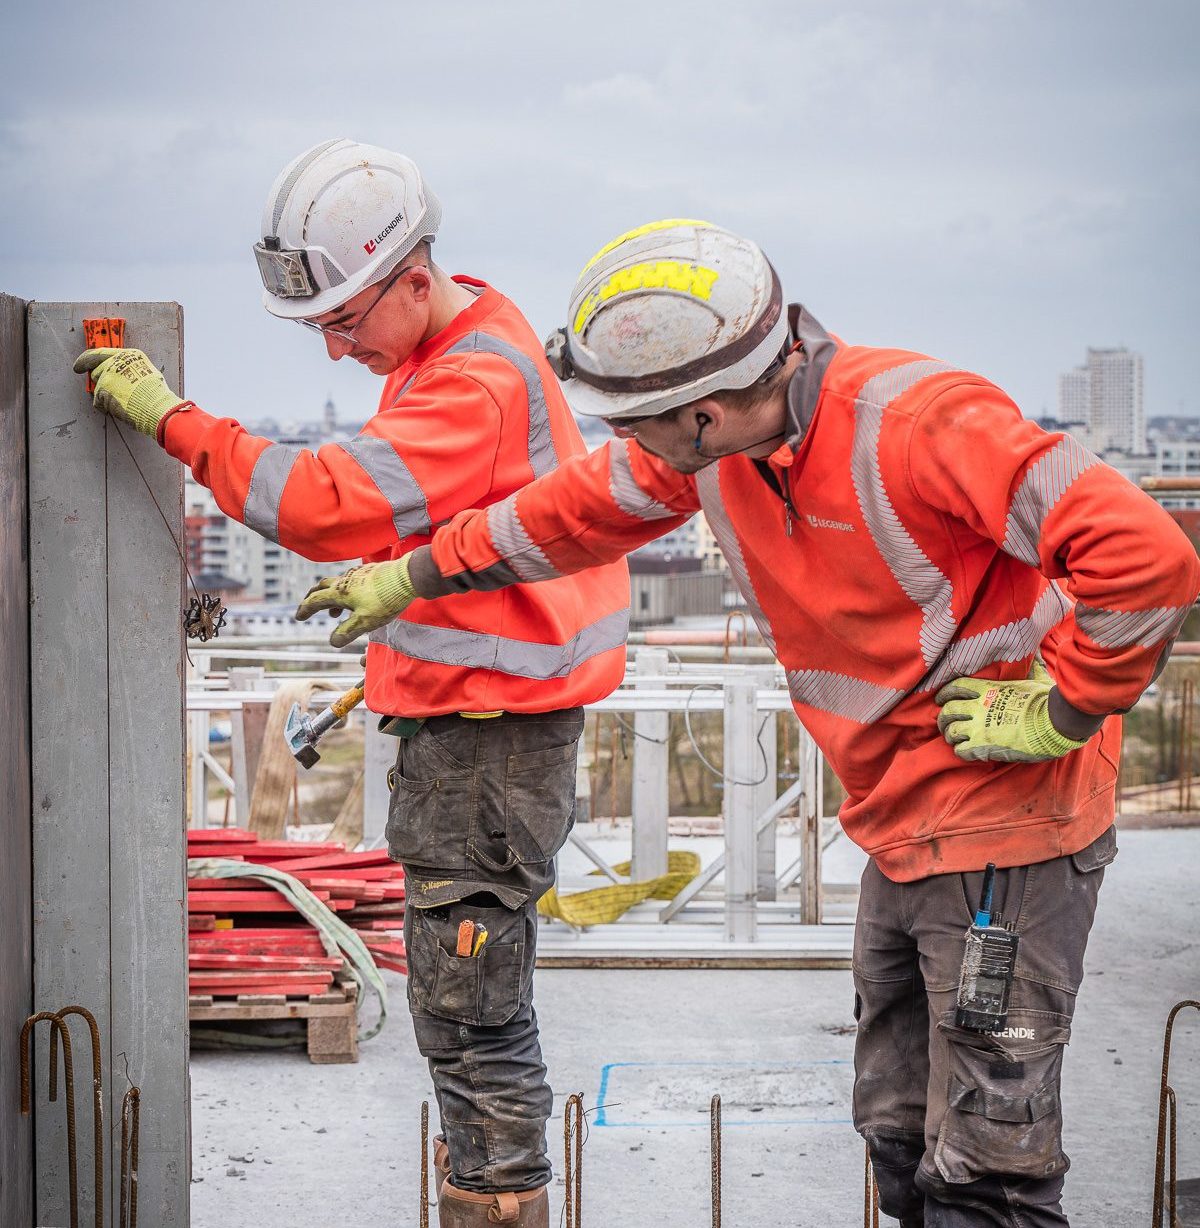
[(823, 522)]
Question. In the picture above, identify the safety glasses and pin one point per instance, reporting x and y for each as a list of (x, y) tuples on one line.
[(346, 332)]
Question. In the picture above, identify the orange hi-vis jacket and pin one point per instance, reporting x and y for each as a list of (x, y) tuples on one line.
[(912, 529), (475, 414)]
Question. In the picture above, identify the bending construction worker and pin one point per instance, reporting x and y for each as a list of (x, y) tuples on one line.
[(918, 556), (489, 687)]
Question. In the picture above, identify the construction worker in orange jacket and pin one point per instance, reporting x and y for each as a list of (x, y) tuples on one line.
[(486, 692), (961, 601)]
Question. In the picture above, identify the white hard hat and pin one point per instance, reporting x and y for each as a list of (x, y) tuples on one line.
[(666, 314), (339, 218)]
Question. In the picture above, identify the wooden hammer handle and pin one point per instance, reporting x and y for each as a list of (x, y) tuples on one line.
[(351, 699)]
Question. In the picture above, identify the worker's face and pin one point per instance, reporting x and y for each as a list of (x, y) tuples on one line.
[(382, 325)]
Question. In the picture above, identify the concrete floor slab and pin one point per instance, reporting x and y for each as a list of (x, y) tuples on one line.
[(279, 1141)]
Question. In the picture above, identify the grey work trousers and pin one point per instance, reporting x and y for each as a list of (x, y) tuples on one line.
[(965, 1128), (478, 810)]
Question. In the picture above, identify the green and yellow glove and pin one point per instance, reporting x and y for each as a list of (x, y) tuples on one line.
[(373, 593), (1006, 722), (128, 386)]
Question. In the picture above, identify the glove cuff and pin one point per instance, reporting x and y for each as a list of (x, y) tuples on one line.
[(393, 585), (1044, 739), (150, 402)]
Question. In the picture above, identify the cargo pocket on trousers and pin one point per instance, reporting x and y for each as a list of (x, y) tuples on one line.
[(1004, 1113), (483, 989), (528, 815), (429, 820)]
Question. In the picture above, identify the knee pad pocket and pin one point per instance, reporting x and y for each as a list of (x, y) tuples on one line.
[(1004, 1113)]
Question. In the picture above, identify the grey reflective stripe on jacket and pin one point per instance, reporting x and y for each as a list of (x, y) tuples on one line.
[(626, 492), (386, 467), (267, 480), (856, 699), (542, 455), (1041, 488), (921, 580), (708, 486), (1125, 628), (474, 650), (1013, 641), (514, 545)]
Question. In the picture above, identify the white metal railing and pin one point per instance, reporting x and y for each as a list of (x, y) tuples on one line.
[(654, 687)]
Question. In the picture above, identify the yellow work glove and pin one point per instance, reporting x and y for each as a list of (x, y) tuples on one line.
[(128, 386), (373, 593), (1007, 722)]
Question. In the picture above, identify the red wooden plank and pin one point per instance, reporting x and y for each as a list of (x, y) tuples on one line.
[(222, 835), (223, 980), (214, 850), (325, 861), (292, 989), (220, 900), (281, 963), (224, 884), (388, 872), (396, 965), (295, 850), (375, 924), (254, 932)]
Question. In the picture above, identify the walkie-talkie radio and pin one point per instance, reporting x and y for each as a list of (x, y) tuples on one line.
[(989, 962)]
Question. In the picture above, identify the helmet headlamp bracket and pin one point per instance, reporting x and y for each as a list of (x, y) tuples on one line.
[(285, 274)]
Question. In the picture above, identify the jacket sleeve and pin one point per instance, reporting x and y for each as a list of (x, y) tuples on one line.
[(1046, 500), (413, 465), (593, 509)]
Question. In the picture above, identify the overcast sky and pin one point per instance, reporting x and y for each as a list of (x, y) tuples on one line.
[(999, 183)]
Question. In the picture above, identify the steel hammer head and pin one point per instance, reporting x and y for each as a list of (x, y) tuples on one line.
[(298, 734)]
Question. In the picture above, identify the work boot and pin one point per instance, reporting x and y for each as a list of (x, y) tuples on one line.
[(441, 1160), (467, 1209)]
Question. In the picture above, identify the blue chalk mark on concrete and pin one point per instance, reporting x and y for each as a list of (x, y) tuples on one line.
[(601, 1119)]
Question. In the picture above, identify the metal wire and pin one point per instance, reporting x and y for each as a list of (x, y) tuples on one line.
[(719, 773), (714, 1150), (424, 1212), (130, 1110), (1166, 1161), (573, 1159), (870, 1193)]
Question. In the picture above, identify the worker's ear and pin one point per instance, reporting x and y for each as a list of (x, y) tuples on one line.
[(703, 418), (420, 283)]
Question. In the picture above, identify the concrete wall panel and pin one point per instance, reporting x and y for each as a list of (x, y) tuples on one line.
[(108, 756)]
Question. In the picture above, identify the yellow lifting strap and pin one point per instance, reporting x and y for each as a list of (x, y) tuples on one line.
[(602, 905)]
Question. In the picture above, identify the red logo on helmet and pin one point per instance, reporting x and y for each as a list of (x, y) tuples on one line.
[(369, 247)]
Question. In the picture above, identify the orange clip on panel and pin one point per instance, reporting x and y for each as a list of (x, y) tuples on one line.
[(107, 332)]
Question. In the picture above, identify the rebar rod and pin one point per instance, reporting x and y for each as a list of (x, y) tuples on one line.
[(573, 1159), (56, 1027), (130, 1113), (714, 1148), (423, 1214), (1165, 1170), (97, 1103)]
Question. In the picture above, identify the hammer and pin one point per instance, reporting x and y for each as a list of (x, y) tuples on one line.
[(302, 732)]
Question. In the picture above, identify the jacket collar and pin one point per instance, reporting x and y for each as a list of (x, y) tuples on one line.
[(804, 388)]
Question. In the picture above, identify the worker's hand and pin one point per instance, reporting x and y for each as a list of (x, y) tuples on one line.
[(1008, 722), (128, 386), (373, 593)]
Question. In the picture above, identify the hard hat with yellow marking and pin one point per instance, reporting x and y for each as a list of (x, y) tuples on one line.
[(666, 314)]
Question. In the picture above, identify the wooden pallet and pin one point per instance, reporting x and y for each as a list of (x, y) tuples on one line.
[(331, 1017)]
